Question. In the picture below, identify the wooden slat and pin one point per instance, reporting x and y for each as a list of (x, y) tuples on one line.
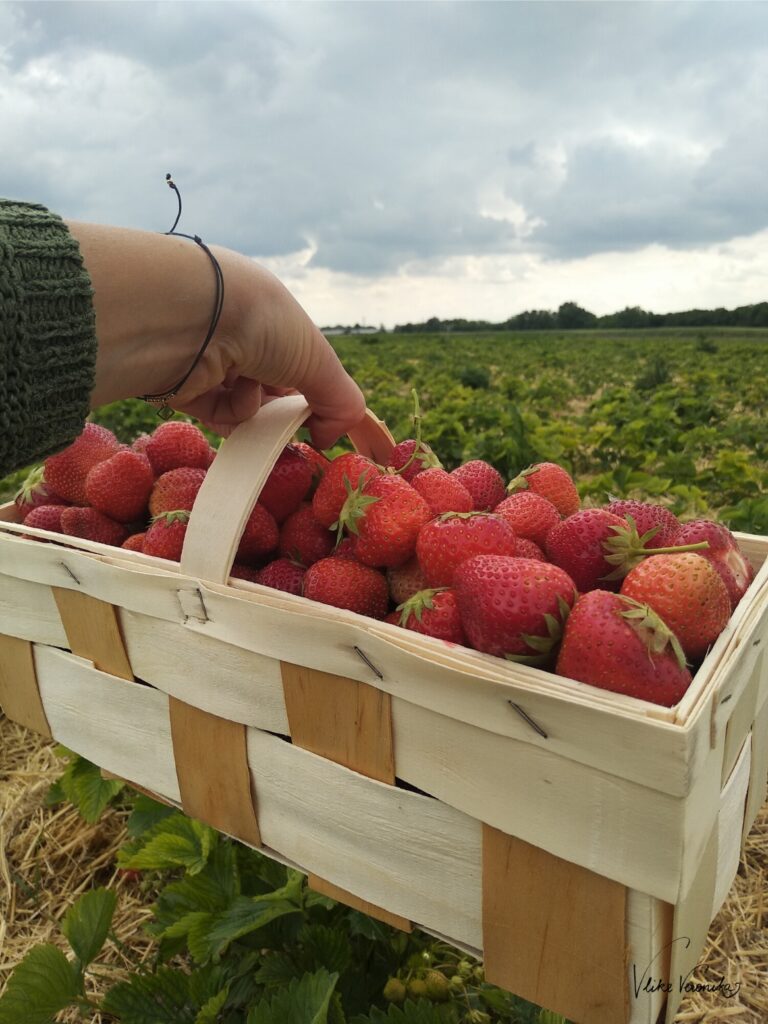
[(212, 768), (341, 719), (757, 793), (139, 789), (553, 933), (335, 892), (93, 631), (19, 694)]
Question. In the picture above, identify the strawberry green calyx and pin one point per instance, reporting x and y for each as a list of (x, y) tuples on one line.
[(421, 451), (545, 645), (32, 481), (627, 549), (418, 603), (353, 508), (520, 482), (179, 515), (652, 629), (474, 514)]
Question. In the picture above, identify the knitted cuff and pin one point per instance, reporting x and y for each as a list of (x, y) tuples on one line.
[(47, 335)]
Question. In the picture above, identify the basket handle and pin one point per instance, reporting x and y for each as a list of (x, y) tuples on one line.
[(234, 481)]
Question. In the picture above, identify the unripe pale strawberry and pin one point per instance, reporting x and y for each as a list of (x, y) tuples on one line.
[(686, 591)]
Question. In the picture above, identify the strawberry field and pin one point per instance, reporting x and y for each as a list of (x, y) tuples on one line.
[(673, 417)]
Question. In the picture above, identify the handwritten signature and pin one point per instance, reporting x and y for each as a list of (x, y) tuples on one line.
[(647, 983)]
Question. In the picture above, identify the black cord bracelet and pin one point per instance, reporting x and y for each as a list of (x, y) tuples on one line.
[(161, 399)]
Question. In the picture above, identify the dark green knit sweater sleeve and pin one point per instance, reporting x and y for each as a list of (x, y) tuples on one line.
[(47, 335)]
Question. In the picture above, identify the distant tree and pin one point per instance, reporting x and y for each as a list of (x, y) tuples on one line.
[(571, 317)]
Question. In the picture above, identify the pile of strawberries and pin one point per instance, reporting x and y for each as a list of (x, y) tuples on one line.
[(623, 597)]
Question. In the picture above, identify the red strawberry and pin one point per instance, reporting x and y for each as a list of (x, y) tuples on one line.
[(529, 549), (646, 516), (165, 536), (689, 595), (723, 552), (175, 444), (282, 574), (92, 525), (345, 549), (393, 618), (120, 485), (442, 492), (529, 515), (176, 490), (140, 443), (483, 482), (259, 537), (45, 517), (411, 457), (434, 613), (621, 645), (317, 460), (385, 516), (135, 542), (288, 483), (445, 542), (342, 475), (35, 492), (405, 580), (303, 539), (550, 481), (346, 584), (576, 544), (66, 472), (513, 607), (245, 572)]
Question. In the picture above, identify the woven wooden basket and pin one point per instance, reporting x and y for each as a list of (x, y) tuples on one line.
[(580, 841)]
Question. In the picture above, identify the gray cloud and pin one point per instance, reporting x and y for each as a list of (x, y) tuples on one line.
[(386, 135)]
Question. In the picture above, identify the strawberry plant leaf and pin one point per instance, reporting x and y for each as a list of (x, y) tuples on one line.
[(210, 934), (87, 923), (176, 841), (146, 813), (40, 986), (209, 1012), (304, 1001), (160, 998), (327, 947), (277, 969), (81, 783), (420, 1012)]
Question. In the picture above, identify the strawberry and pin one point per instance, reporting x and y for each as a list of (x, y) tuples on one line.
[(445, 542), (483, 482), (723, 552), (303, 539), (176, 490), (689, 595), (282, 574), (259, 537), (165, 536), (405, 580), (92, 525), (66, 472), (442, 492), (45, 517), (529, 515), (513, 607), (529, 549), (245, 572), (120, 485), (576, 544), (135, 542), (175, 444), (345, 549), (434, 613), (140, 443), (346, 584), (393, 618), (342, 475), (288, 483), (317, 460), (35, 492), (550, 481), (385, 515), (411, 457), (622, 645), (646, 516)]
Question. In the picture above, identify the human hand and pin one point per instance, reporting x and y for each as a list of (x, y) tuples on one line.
[(153, 296)]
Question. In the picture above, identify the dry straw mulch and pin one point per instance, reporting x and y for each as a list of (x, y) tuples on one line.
[(49, 856)]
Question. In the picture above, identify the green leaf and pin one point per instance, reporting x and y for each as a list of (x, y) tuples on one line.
[(83, 786), (421, 1012), (209, 1012), (146, 813), (304, 1001), (210, 934), (176, 841), (42, 985), (327, 947), (277, 969), (161, 998), (87, 922)]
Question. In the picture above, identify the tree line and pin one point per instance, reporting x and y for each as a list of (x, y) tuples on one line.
[(570, 316)]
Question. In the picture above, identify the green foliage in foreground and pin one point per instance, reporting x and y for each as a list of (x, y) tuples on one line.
[(242, 940)]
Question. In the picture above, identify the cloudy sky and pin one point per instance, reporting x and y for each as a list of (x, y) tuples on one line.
[(393, 161)]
